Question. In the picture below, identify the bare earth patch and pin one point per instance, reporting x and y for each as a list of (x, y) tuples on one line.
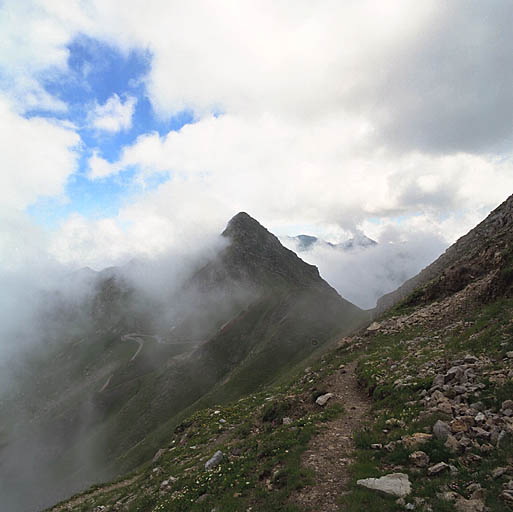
[(329, 453)]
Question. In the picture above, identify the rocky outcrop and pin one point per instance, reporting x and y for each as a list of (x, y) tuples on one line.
[(484, 249)]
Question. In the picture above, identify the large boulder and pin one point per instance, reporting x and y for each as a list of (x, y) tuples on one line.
[(395, 484)]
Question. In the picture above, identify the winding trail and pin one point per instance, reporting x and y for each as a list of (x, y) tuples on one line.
[(134, 337), (127, 337), (107, 382), (82, 498), (330, 452), (139, 339)]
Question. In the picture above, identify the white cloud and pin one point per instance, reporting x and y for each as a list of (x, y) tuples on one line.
[(35, 35), (339, 115), (324, 174), (244, 56), (99, 167), (38, 155), (148, 228), (114, 115), (321, 172)]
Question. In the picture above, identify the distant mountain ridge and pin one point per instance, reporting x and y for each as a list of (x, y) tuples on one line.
[(308, 242)]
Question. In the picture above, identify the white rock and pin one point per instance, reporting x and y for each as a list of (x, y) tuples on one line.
[(374, 326), (215, 460), (323, 399), (480, 417), (396, 484), (437, 468)]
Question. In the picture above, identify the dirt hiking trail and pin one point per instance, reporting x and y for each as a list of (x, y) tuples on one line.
[(329, 453)]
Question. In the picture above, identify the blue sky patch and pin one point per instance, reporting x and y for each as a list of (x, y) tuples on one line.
[(96, 72)]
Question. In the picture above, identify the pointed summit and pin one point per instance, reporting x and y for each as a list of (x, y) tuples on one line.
[(259, 256), (242, 222), (244, 230)]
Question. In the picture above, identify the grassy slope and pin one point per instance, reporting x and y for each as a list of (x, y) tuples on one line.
[(396, 368), (258, 348), (261, 464), (261, 467)]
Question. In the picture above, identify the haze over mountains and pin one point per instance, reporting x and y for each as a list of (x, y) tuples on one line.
[(363, 270), (118, 366), (145, 325), (444, 342), (126, 354)]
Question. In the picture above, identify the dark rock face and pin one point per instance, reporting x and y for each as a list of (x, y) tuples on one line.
[(486, 249), (257, 255)]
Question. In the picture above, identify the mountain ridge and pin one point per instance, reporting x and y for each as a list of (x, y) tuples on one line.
[(237, 323), (477, 253), (308, 242), (438, 369)]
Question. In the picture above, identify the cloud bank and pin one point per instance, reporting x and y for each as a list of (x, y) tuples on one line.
[(336, 116)]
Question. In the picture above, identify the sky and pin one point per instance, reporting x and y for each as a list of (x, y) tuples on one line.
[(130, 130)]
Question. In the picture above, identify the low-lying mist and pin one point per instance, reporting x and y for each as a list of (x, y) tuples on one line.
[(363, 274), (63, 338), (70, 343)]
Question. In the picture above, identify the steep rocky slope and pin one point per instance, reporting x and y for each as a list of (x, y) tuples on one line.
[(485, 253)]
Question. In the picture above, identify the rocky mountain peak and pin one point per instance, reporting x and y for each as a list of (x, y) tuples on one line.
[(244, 230), (257, 255)]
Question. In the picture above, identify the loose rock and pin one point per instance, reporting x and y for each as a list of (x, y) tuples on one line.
[(437, 468), (159, 454), (215, 460), (498, 472), (419, 459), (463, 505), (395, 484), (441, 430), (323, 399), (417, 439)]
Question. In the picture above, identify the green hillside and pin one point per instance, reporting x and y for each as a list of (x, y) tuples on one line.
[(438, 368), (96, 403)]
